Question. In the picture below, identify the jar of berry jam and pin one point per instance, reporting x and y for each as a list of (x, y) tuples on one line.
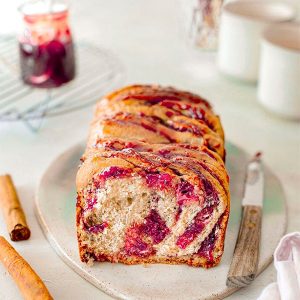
[(46, 48)]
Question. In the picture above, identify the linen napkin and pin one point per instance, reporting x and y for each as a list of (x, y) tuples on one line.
[(287, 264)]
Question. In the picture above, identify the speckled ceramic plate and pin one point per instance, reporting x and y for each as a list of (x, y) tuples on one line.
[(55, 207)]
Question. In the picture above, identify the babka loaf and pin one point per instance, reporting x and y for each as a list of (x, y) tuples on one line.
[(152, 186)]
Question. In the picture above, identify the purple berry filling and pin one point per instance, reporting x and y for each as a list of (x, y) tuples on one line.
[(154, 227), (111, 172), (98, 228), (194, 229), (207, 246), (185, 193), (160, 181)]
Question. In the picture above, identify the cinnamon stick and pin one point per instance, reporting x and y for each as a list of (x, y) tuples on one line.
[(29, 283), (12, 210)]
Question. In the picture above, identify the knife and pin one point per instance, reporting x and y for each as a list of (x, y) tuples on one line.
[(244, 263)]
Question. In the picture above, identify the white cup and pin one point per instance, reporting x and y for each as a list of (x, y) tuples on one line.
[(242, 24), (279, 76)]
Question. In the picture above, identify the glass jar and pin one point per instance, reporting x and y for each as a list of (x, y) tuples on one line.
[(201, 18), (45, 43)]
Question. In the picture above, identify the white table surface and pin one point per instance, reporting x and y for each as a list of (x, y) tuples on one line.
[(146, 36)]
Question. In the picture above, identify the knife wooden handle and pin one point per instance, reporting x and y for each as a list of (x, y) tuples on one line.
[(244, 263)]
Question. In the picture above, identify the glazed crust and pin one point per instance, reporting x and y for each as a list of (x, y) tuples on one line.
[(158, 115), (142, 128)]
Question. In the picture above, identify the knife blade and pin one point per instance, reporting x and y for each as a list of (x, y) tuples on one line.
[(244, 263)]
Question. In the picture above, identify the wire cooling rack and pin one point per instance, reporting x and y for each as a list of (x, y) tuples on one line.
[(98, 71)]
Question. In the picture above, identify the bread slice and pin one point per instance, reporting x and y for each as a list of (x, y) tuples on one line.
[(158, 195)]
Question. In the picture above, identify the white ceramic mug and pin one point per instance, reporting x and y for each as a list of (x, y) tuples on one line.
[(242, 24), (279, 76)]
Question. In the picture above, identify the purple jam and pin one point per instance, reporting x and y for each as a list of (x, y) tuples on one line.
[(194, 229), (164, 152), (98, 228), (216, 176), (131, 145), (148, 127), (99, 256), (167, 136), (185, 193), (91, 200), (134, 244), (153, 97), (154, 227), (47, 65), (170, 104), (211, 196), (209, 153), (160, 181), (157, 96), (185, 128), (190, 147), (154, 129), (207, 246), (191, 111), (138, 248), (169, 114), (111, 172), (115, 172), (197, 113), (110, 145)]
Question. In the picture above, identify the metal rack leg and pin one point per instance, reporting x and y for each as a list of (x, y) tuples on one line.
[(36, 122)]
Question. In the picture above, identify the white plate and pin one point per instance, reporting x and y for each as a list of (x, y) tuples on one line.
[(55, 207)]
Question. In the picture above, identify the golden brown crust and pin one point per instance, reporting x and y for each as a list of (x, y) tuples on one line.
[(156, 92), (157, 114), (165, 110), (153, 131)]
